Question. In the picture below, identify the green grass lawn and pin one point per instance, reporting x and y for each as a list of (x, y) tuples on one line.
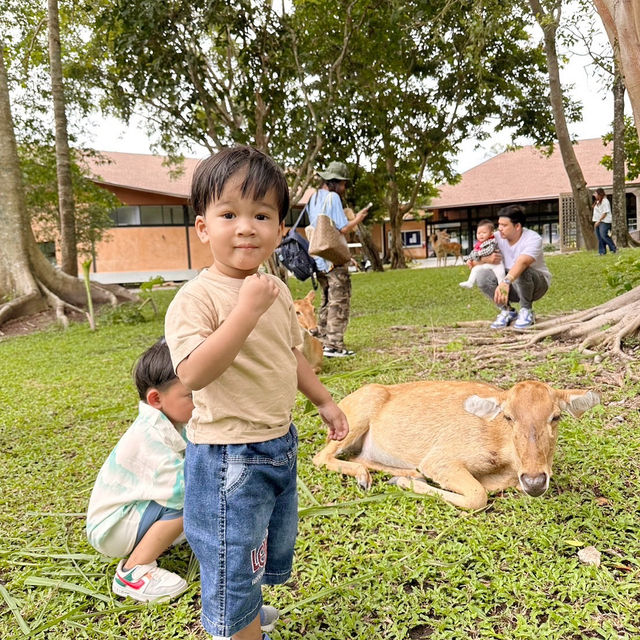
[(382, 564)]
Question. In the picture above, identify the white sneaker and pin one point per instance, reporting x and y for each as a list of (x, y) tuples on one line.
[(147, 582), (330, 352), (525, 319), (504, 319), (466, 284)]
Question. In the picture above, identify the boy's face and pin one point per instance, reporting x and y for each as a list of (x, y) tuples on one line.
[(175, 402), (241, 232), (484, 232)]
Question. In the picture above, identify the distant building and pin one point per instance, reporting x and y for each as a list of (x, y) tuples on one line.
[(153, 230), (536, 181)]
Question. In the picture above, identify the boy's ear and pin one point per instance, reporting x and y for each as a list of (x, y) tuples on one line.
[(153, 398), (200, 226)]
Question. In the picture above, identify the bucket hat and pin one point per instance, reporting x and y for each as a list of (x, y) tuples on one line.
[(335, 171)]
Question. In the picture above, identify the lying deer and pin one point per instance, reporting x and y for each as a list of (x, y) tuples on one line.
[(468, 437), (312, 347), (443, 248)]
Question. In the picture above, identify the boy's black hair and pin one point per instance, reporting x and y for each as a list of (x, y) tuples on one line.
[(486, 223), (154, 369), (262, 175), (514, 212)]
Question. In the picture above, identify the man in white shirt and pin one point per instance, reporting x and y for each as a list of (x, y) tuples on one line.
[(527, 277), (602, 222)]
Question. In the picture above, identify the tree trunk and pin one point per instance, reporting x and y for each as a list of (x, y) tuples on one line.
[(621, 19), (68, 246), (396, 252), (17, 285), (619, 229), (369, 248), (28, 281), (581, 195)]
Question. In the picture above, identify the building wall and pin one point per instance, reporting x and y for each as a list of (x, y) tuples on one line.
[(150, 248)]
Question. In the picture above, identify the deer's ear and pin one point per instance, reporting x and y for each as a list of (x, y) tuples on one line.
[(576, 402), (311, 296), (482, 407)]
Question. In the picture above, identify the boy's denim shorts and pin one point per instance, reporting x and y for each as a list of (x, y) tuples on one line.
[(152, 514), (241, 520)]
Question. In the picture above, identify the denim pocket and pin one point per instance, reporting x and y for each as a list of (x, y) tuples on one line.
[(237, 474)]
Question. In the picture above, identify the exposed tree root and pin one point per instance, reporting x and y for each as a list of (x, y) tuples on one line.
[(59, 305), (19, 306)]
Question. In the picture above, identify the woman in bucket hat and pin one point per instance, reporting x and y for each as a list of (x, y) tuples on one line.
[(334, 280)]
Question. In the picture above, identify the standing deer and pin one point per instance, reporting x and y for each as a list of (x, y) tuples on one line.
[(442, 247)]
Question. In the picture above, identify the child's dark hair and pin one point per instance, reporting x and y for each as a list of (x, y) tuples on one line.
[(154, 370), (262, 175), (514, 212), (485, 223)]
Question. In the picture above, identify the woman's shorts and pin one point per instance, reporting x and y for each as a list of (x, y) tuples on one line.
[(241, 521)]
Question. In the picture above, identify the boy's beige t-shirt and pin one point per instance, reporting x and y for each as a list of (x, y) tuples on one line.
[(251, 401)]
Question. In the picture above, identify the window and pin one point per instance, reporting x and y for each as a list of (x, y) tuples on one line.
[(175, 213), (411, 239), (292, 216), (150, 215), (126, 216)]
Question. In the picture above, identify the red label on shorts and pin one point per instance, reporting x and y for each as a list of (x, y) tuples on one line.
[(259, 556)]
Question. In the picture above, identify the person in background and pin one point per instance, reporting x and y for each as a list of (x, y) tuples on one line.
[(602, 222), (335, 280), (527, 278), (485, 245)]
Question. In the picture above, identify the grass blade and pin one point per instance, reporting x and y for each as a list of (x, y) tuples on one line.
[(342, 507), (13, 607), (38, 581), (192, 569), (306, 491)]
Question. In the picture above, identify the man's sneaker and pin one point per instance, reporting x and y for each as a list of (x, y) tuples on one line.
[(504, 319), (330, 352), (268, 617), (525, 319), (147, 582), (466, 284)]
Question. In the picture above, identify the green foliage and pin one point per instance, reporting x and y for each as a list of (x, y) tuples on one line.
[(125, 313), (93, 204), (631, 149), (624, 274)]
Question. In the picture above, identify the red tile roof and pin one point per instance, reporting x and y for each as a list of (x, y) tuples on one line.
[(142, 172), (524, 174)]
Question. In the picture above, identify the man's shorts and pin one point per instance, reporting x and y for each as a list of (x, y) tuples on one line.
[(241, 521)]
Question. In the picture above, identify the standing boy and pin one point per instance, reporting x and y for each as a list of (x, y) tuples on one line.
[(234, 338)]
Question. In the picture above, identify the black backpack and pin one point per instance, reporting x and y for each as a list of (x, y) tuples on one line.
[(293, 253)]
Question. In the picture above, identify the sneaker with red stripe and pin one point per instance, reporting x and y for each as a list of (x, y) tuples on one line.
[(147, 582)]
